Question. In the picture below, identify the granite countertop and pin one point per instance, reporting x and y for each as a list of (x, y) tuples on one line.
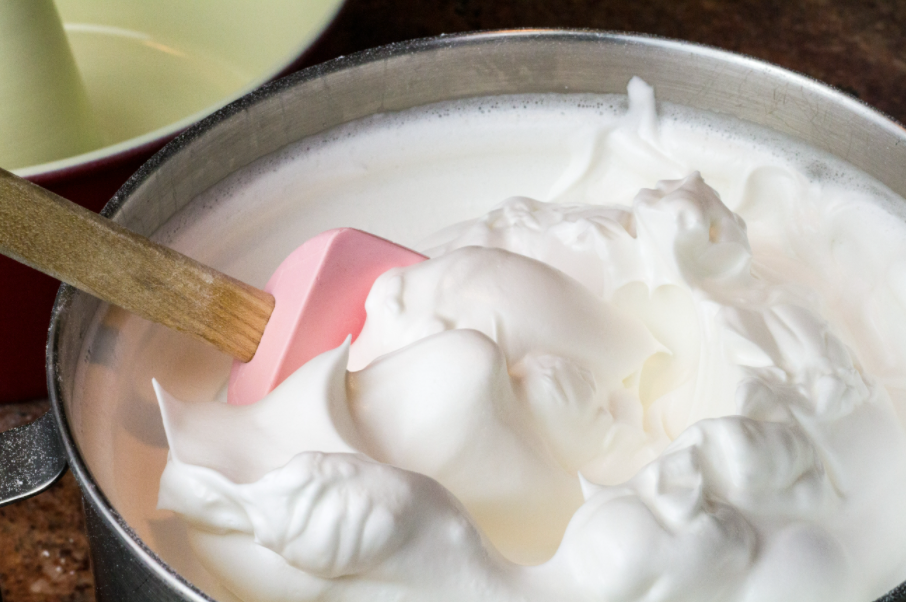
[(43, 545), (855, 45)]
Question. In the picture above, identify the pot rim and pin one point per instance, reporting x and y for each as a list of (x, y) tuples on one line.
[(60, 313)]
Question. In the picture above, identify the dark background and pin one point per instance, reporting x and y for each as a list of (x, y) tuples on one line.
[(857, 46)]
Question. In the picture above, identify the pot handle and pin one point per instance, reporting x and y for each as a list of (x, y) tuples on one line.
[(31, 459)]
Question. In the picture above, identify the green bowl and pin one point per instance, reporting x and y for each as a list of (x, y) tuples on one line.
[(151, 69)]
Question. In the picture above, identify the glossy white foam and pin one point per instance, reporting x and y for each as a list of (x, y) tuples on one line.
[(688, 392)]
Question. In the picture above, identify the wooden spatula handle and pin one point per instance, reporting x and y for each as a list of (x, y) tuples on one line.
[(96, 255)]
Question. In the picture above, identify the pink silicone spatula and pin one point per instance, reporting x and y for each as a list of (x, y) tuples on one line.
[(314, 300), (320, 292)]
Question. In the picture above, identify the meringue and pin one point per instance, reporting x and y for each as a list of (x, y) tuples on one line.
[(672, 394)]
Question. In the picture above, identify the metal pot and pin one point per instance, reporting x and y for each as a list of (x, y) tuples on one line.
[(394, 78)]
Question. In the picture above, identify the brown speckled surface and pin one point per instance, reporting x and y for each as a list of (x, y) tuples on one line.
[(43, 546), (858, 46)]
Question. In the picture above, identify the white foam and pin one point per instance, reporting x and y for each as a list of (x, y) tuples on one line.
[(408, 175)]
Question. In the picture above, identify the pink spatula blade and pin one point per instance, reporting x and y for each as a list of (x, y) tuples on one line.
[(320, 292)]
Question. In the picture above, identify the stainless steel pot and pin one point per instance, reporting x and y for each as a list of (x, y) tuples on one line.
[(394, 78)]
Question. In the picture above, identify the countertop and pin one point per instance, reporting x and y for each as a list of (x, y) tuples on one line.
[(858, 46)]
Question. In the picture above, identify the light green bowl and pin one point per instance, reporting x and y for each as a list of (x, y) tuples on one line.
[(151, 68)]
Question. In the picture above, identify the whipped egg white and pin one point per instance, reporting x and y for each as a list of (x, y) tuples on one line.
[(636, 389)]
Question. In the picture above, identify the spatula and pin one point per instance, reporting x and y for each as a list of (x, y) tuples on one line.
[(314, 300)]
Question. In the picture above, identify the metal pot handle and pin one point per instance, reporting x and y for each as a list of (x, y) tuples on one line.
[(31, 459)]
